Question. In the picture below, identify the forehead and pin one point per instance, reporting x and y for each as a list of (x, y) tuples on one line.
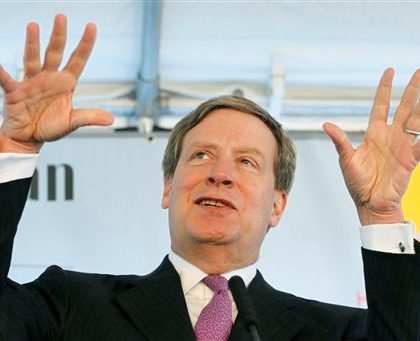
[(229, 127)]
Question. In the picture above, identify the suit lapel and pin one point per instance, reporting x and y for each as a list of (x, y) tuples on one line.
[(277, 322), (157, 307)]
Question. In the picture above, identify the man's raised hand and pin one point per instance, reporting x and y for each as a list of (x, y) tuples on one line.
[(39, 108), (378, 171)]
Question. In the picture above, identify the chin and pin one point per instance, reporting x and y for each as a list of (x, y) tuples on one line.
[(213, 235)]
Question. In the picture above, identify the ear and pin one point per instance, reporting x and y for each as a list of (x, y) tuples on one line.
[(167, 185), (279, 205)]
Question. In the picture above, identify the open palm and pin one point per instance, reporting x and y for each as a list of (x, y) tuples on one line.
[(39, 108), (378, 171)]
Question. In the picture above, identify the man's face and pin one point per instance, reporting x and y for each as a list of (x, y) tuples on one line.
[(222, 193)]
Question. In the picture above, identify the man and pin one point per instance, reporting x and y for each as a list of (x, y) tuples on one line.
[(228, 168)]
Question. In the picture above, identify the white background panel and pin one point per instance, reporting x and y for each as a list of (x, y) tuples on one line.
[(115, 223)]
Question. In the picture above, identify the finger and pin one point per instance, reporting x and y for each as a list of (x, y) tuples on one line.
[(82, 52), (6, 81), (341, 141), (413, 122), (408, 99), (54, 51), (90, 117), (382, 97), (416, 150), (31, 62)]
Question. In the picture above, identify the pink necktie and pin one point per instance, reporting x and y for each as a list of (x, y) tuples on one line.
[(215, 320)]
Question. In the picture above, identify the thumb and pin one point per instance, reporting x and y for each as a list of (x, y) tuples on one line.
[(341, 141), (90, 117)]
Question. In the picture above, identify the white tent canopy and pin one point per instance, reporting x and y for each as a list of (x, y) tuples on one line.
[(311, 59)]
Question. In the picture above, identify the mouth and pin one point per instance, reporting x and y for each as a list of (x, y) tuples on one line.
[(213, 202)]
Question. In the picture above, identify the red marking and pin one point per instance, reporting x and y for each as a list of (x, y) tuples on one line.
[(361, 299)]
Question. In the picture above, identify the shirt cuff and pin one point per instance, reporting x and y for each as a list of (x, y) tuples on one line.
[(391, 238), (14, 166)]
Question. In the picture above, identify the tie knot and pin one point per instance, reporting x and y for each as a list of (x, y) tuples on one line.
[(216, 283)]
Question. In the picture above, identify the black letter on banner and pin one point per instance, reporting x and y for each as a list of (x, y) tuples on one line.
[(33, 194), (68, 182)]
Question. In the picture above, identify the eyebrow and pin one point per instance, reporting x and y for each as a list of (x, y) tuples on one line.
[(241, 150), (202, 145), (252, 151)]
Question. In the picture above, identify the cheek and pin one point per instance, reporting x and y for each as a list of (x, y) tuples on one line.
[(260, 201), (255, 192), (183, 185)]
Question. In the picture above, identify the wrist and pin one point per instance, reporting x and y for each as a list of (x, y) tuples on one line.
[(10, 145), (371, 217)]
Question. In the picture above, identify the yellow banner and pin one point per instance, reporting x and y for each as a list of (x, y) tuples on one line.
[(411, 199)]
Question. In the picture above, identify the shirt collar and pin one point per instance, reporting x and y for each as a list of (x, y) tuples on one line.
[(191, 275)]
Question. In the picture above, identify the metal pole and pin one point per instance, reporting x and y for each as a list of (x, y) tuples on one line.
[(148, 77)]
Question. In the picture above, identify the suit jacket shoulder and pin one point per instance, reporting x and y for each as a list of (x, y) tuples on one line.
[(284, 316), (109, 307)]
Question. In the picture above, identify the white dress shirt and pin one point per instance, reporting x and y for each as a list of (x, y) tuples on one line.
[(197, 294)]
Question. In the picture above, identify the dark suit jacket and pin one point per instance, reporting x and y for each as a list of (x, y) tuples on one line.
[(76, 306)]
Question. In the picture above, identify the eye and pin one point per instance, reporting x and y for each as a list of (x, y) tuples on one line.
[(200, 155), (247, 162)]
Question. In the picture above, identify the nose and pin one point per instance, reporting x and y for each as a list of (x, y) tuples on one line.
[(221, 174), (215, 181)]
